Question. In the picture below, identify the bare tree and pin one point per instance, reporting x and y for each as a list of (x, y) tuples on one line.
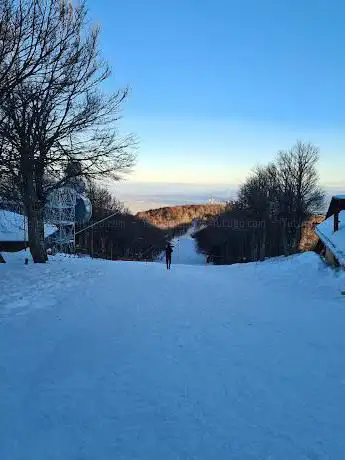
[(284, 193), (301, 195), (103, 202), (261, 194), (27, 39), (27, 42), (59, 116)]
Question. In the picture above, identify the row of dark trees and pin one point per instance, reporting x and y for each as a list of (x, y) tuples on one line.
[(53, 112), (113, 233), (271, 211)]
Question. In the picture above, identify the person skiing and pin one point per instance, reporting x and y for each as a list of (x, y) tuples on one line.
[(168, 251)]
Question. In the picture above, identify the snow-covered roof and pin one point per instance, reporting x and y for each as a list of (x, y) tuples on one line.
[(13, 227), (335, 241)]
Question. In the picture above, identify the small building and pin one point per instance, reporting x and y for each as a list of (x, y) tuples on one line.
[(14, 231), (331, 233)]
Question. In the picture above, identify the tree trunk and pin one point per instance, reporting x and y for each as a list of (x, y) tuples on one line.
[(263, 246), (298, 235), (33, 208), (254, 246), (34, 212), (36, 232), (285, 239)]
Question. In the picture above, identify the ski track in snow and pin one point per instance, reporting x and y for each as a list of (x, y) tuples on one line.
[(185, 250), (120, 360)]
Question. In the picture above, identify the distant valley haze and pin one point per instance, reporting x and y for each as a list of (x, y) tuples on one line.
[(185, 161), (141, 196)]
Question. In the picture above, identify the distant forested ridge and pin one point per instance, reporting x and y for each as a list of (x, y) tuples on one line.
[(172, 216)]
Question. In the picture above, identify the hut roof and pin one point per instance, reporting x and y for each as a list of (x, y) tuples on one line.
[(337, 204), (335, 241), (13, 227)]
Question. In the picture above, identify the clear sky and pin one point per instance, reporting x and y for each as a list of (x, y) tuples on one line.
[(220, 85)]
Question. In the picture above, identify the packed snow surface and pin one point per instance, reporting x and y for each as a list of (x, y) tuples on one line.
[(117, 360), (185, 250)]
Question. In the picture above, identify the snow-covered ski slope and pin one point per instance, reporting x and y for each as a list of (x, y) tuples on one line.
[(185, 250), (121, 361)]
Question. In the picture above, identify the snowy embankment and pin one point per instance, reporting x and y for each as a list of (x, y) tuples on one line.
[(119, 360)]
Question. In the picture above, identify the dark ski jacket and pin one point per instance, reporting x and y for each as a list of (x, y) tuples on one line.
[(168, 250)]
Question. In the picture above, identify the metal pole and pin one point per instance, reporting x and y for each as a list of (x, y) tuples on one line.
[(92, 243)]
